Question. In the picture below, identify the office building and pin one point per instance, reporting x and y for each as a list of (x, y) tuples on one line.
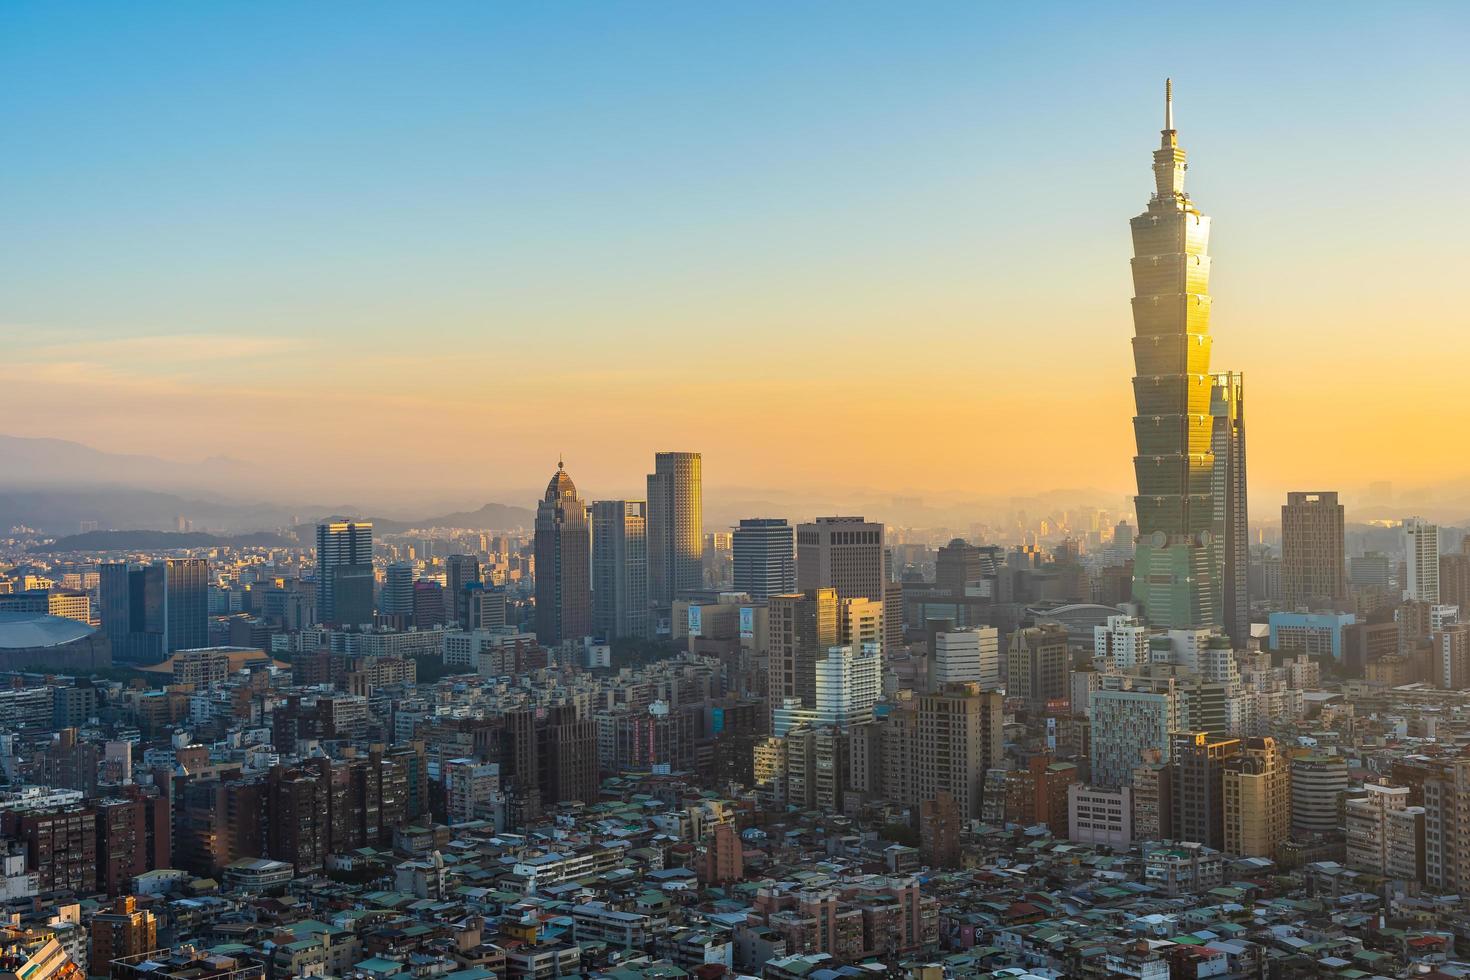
[(620, 569), (1232, 532), (1454, 581), (967, 654), (847, 683), (1317, 785), (1318, 634), (1198, 760), (860, 623), (801, 628), (764, 557), (459, 572), (1421, 560), (842, 553), (675, 527), (1037, 664), (397, 599), (1257, 798), (960, 735), (344, 573), (1313, 549), (149, 611), (1176, 559), (563, 563)]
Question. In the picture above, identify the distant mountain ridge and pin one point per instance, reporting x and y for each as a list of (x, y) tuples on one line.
[(160, 541)]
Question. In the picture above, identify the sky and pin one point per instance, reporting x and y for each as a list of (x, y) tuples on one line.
[(389, 249)]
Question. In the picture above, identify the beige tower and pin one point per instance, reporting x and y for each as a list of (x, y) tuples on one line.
[(960, 736), (1257, 797), (842, 553)]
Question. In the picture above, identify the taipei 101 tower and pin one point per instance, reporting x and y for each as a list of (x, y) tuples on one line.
[(1179, 561)]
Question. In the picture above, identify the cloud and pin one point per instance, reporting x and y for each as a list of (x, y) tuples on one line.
[(161, 350)]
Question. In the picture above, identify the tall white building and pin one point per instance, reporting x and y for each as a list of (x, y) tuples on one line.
[(1120, 645), (848, 684), (971, 654), (1421, 554)]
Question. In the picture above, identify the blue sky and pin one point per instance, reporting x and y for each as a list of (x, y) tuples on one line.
[(389, 195)]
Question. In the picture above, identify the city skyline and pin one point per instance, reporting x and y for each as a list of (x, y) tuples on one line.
[(416, 236)]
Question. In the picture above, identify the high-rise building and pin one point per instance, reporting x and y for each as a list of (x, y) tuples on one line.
[(398, 590), (764, 557), (1176, 560), (1317, 785), (1232, 532), (960, 736), (563, 563), (860, 623), (847, 682), (430, 608), (1037, 664), (842, 553), (620, 568), (1199, 760), (1257, 799), (961, 566), (1421, 559), (1447, 827), (459, 571), (1128, 728), (1313, 550), (675, 527), (344, 572), (125, 930), (149, 611), (1367, 824), (968, 654), (801, 627), (1454, 581), (1120, 645)]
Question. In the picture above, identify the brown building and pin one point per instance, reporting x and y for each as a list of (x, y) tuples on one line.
[(939, 831), (124, 931), (1198, 761), (1038, 665), (122, 843), (724, 858), (1313, 549), (61, 846)]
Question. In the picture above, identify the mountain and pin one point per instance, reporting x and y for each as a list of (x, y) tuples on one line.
[(160, 541), (47, 462)]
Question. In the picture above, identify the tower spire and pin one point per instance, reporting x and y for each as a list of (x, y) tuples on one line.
[(1168, 105)]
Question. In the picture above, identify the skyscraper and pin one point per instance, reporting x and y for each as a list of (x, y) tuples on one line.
[(1176, 562), (1199, 785), (149, 611), (675, 527), (398, 590), (1421, 556), (801, 627), (620, 568), (1232, 532), (842, 553), (1257, 799), (344, 572), (960, 737), (1313, 548), (764, 557), (563, 563), (459, 571), (1038, 664)]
